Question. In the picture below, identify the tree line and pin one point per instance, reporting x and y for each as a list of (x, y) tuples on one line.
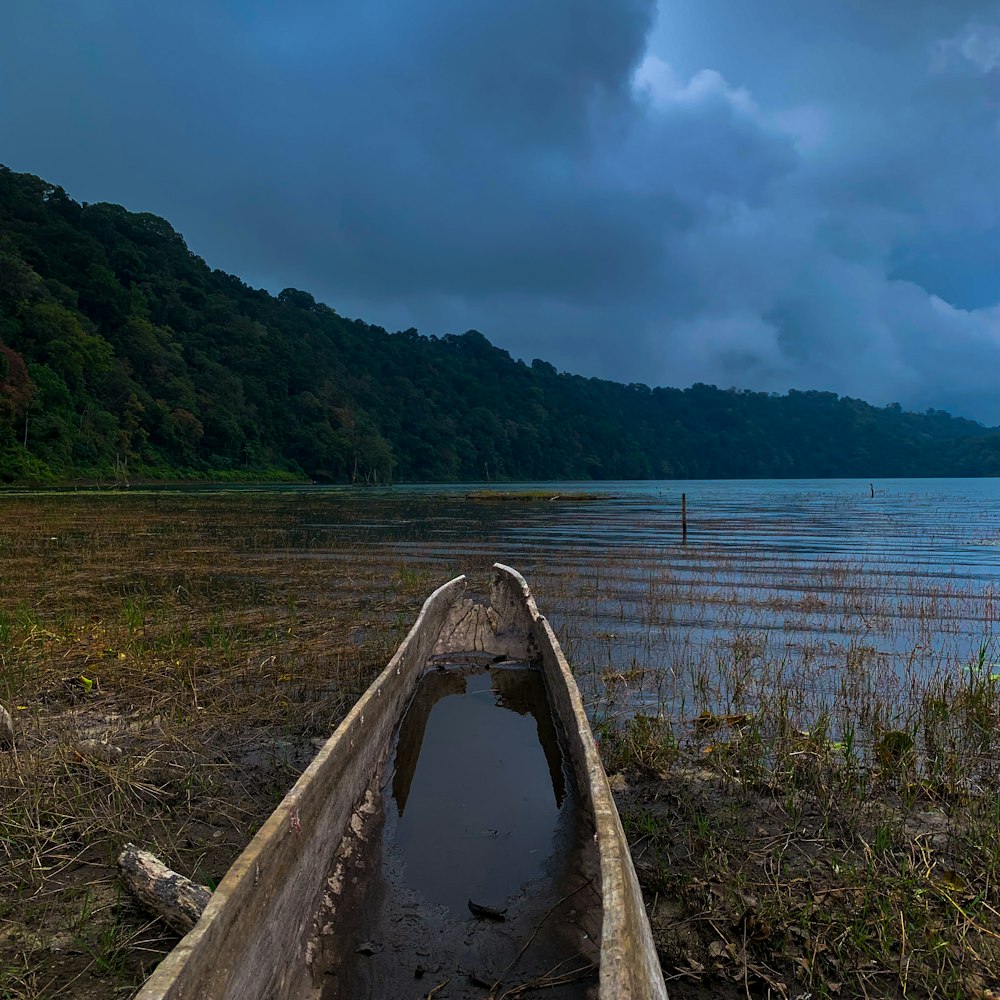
[(120, 349)]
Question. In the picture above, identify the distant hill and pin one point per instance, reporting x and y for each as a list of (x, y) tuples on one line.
[(117, 343)]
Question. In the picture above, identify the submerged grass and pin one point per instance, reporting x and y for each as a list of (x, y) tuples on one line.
[(502, 496), (805, 753)]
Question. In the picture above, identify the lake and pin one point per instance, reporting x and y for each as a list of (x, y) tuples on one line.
[(780, 585), (777, 579)]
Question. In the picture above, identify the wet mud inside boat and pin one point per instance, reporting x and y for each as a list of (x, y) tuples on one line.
[(473, 867)]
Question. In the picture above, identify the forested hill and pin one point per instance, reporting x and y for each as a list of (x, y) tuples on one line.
[(116, 342)]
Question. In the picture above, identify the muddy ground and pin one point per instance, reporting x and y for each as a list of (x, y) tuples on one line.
[(752, 890)]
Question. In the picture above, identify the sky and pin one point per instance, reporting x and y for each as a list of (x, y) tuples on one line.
[(766, 194)]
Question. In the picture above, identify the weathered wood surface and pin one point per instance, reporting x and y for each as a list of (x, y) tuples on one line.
[(178, 900)]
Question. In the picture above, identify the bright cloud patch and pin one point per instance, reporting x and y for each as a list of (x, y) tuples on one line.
[(978, 45)]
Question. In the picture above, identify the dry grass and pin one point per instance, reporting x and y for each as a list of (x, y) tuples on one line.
[(168, 664)]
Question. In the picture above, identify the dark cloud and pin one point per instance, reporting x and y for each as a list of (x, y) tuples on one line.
[(769, 195)]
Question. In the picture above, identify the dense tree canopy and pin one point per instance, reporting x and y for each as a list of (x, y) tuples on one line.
[(117, 344)]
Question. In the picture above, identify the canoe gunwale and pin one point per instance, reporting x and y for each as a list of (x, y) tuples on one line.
[(266, 903), (629, 964)]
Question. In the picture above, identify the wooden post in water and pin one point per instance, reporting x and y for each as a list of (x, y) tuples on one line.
[(684, 519)]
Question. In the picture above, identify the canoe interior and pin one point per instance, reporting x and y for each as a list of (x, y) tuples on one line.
[(477, 803), (268, 930)]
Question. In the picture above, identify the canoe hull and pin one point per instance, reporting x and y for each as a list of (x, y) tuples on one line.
[(259, 934)]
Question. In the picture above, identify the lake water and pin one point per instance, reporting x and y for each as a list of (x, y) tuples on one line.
[(940, 526), (477, 787), (798, 576), (800, 585)]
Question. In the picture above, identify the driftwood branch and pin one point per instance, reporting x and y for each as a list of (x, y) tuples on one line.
[(174, 898), (6, 730)]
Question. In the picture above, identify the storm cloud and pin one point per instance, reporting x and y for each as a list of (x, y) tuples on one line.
[(771, 195)]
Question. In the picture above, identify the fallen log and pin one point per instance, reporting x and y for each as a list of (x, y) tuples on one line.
[(6, 730), (174, 898)]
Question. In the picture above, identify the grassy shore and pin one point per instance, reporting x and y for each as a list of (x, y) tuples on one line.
[(814, 822)]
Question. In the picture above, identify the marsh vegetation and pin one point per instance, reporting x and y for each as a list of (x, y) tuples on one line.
[(799, 707)]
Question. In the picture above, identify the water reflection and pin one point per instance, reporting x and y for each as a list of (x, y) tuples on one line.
[(922, 526), (478, 785)]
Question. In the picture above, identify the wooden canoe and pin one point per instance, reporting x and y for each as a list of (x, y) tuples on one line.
[(267, 926)]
